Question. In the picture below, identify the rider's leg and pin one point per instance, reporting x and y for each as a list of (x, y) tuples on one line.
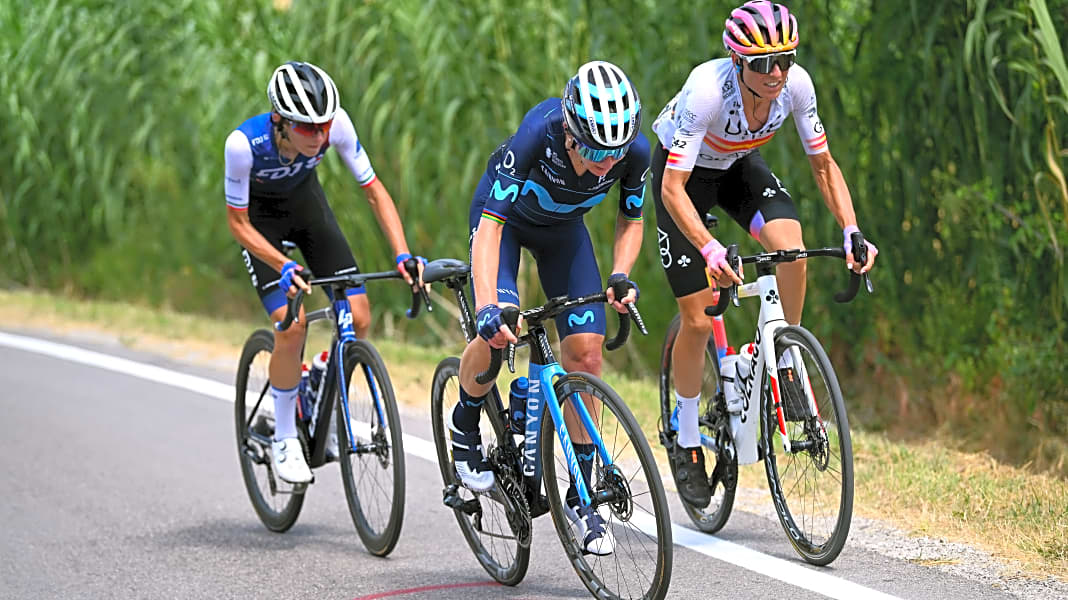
[(468, 455), (581, 352), (688, 362), (284, 374), (361, 313), (785, 234)]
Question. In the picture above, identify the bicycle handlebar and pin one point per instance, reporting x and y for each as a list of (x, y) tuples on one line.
[(353, 280), (860, 255), (553, 308)]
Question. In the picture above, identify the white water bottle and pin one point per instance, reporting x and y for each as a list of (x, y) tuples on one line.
[(728, 373)]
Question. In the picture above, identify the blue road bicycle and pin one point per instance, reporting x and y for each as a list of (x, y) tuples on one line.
[(357, 388), (624, 488)]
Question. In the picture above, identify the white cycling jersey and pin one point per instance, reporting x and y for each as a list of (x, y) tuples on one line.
[(252, 161), (704, 125)]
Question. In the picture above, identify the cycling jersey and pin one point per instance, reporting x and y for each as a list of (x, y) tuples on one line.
[(705, 124), (253, 163), (532, 178)]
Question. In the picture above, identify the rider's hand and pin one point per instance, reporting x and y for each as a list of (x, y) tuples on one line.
[(492, 328), (290, 281), (633, 293), (847, 245), (716, 260), (407, 276)]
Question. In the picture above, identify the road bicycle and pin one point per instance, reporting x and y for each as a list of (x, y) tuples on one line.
[(625, 486), (793, 418), (371, 454)]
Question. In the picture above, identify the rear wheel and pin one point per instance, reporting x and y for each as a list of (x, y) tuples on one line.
[(276, 502), (715, 434), (485, 521), (812, 483), (372, 461), (636, 510)]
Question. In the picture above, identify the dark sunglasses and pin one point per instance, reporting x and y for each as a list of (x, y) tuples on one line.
[(764, 64), (310, 129)]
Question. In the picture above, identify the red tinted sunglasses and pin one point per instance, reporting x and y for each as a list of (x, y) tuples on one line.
[(310, 129)]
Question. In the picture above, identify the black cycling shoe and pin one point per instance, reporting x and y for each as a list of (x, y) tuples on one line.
[(792, 395), (688, 469)]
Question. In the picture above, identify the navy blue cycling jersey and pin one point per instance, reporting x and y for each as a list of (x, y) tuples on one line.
[(535, 182)]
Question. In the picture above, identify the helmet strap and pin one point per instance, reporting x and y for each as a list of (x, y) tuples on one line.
[(741, 77), (279, 125)]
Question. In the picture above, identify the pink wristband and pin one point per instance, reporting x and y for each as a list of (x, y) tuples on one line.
[(711, 247)]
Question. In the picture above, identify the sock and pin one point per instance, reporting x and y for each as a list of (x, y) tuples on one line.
[(467, 412), (285, 413), (585, 453), (689, 435)]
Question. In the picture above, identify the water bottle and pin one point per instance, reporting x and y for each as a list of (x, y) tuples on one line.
[(743, 368), (727, 372), (315, 376), (305, 395), (517, 405)]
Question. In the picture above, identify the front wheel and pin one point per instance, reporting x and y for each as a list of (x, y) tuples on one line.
[(812, 483), (276, 502), (483, 518), (635, 509), (372, 460)]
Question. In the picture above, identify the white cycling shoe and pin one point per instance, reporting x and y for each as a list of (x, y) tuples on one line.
[(591, 530), (287, 458), (469, 460)]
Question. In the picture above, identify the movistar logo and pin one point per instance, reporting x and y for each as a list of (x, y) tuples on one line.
[(577, 321), (546, 202), (482, 323), (635, 201), (509, 193)]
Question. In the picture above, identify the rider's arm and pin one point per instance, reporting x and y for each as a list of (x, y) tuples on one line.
[(485, 259), (238, 170), (631, 200), (833, 187)]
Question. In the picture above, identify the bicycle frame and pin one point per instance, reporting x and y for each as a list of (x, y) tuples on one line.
[(770, 320)]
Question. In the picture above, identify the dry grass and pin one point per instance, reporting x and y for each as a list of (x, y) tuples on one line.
[(921, 488)]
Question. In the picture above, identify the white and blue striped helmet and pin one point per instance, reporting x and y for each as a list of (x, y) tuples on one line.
[(601, 107)]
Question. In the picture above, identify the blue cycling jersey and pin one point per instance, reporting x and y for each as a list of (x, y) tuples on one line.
[(534, 181), (269, 174)]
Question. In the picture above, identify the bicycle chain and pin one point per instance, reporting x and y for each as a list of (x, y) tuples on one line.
[(517, 510)]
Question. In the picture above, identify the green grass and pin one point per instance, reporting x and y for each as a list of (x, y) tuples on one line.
[(922, 488)]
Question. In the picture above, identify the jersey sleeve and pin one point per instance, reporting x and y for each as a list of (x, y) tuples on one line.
[(512, 171), (806, 118), (632, 186), (343, 137), (238, 170), (694, 107)]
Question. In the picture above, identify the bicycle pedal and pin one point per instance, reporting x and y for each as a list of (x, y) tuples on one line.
[(667, 439)]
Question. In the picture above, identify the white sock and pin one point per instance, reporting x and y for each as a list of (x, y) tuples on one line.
[(285, 413), (689, 435)]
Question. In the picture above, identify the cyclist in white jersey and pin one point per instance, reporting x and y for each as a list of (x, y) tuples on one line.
[(708, 154), (273, 194)]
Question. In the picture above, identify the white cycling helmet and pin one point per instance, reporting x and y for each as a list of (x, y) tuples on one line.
[(601, 106), (303, 92)]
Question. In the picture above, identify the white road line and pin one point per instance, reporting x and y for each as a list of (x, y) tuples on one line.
[(746, 558)]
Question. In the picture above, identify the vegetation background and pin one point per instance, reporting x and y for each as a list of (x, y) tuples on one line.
[(947, 118)]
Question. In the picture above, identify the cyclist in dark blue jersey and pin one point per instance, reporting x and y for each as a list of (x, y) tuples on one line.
[(538, 185), (273, 194)]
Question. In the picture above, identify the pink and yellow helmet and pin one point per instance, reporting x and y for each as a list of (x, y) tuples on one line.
[(760, 27)]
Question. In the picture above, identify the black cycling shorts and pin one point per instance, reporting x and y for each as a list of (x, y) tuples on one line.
[(747, 191), (303, 217)]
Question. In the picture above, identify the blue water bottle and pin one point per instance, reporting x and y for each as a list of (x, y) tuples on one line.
[(517, 405)]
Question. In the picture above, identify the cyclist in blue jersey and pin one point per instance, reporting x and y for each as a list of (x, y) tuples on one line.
[(560, 163), (273, 194)]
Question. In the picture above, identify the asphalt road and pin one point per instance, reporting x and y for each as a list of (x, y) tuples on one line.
[(121, 480)]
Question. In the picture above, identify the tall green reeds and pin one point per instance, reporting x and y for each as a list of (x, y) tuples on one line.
[(948, 120)]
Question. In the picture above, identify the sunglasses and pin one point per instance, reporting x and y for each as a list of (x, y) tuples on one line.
[(310, 129), (595, 155), (764, 64)]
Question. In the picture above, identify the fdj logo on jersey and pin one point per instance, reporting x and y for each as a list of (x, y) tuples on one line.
[(288, 171)]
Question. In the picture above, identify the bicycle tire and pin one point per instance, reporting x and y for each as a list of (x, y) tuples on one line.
[(818, 538), (505, 560), (279, 505), (713, 517), (639, 516), (378, 520)]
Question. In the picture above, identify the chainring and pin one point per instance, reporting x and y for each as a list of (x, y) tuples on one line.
[(516, 508)]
